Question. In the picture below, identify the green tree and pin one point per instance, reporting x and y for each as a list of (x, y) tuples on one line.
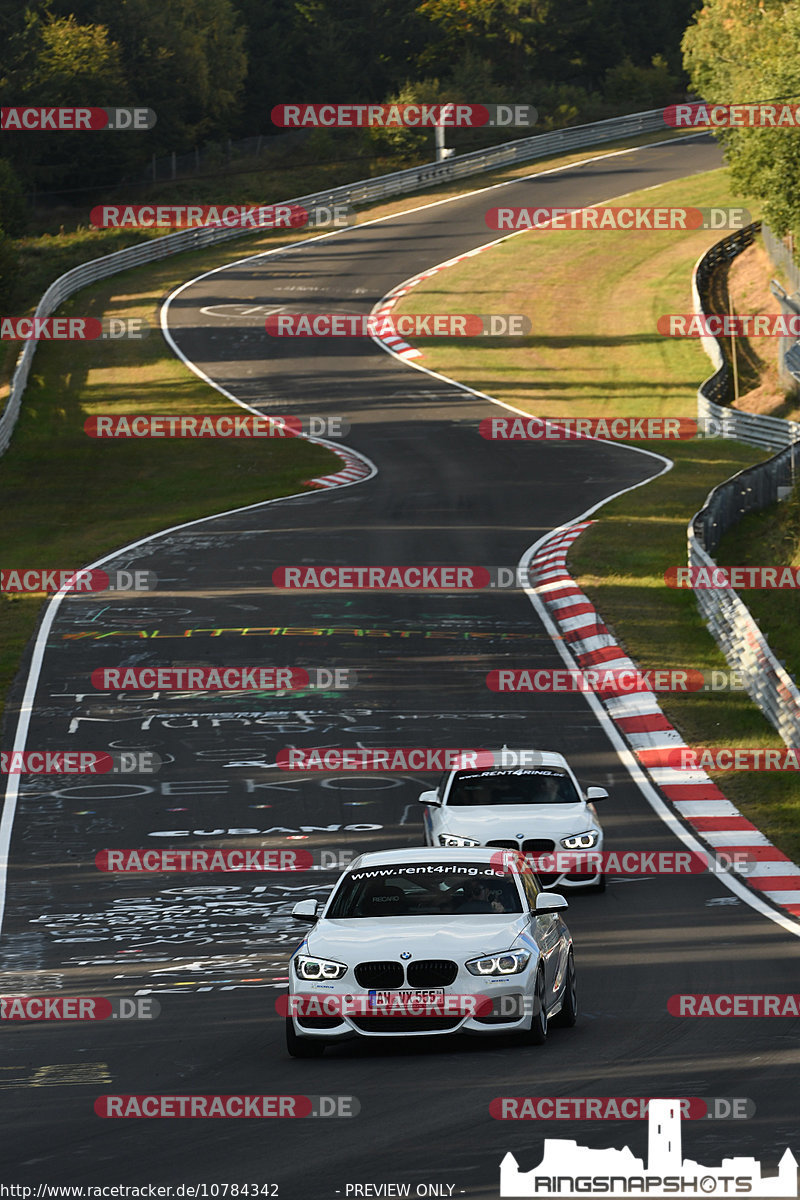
[(13, 208), (640, 87), (738, 53), (9, 269)]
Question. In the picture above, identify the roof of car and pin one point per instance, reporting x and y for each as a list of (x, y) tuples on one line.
[(424, 854)]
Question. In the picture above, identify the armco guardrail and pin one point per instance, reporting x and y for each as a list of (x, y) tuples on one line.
[(727, 616), (362, 192), (715, 394)]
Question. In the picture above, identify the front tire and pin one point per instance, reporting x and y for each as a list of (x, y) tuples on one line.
[(569, 1009), (300, 1047), (537, 1034)]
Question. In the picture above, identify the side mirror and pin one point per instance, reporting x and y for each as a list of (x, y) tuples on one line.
[(547, 902), (594, 793), (306, 910), (430, 798)]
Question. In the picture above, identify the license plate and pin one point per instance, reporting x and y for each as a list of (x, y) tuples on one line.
[(406, 996)]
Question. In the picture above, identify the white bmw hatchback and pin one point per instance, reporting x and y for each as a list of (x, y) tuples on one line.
[(538, 809), (429, 942)]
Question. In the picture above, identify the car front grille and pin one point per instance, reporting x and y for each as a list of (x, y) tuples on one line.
[(541, 845), (431, 972), (380, 974), (504, 845), (406, 1024)]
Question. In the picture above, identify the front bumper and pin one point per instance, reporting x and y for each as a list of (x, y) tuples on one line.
[(512, 1009)]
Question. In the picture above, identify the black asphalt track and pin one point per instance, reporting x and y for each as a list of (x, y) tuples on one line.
[(212, 949)]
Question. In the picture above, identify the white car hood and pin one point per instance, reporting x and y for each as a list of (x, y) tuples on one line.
[(508, 820), (458, 937)]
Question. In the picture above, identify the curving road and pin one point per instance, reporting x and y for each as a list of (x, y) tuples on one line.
[(213, 950)]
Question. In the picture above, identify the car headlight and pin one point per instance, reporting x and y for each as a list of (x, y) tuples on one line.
[(510, 962), (306, 967), (581, 841), (454, 839)]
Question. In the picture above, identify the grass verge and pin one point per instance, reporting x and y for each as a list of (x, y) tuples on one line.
[(594, 352)]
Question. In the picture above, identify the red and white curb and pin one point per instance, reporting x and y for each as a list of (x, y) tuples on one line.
[(355, 468), (651, 736), (395, 343)]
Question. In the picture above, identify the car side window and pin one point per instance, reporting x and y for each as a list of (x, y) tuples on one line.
[(531, 889), (442, 784)]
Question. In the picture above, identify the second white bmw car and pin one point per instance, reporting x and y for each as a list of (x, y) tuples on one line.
[(538, 809)]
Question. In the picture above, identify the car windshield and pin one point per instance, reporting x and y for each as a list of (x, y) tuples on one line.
[(522, 785), (425, 890)]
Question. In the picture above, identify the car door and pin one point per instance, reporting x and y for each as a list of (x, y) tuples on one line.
[(547, 929)]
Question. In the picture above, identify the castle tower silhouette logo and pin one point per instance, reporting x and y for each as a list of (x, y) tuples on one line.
[(568, 1169)]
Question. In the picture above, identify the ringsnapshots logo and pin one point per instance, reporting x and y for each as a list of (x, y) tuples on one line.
[(225, 216), (567, 1169), (627, 219), (25, 119), (403, 116), (388, 325), (732, 116), (72, 329), (567, 429)]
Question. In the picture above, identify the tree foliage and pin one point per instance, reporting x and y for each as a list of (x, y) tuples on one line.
[(738, 52)]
